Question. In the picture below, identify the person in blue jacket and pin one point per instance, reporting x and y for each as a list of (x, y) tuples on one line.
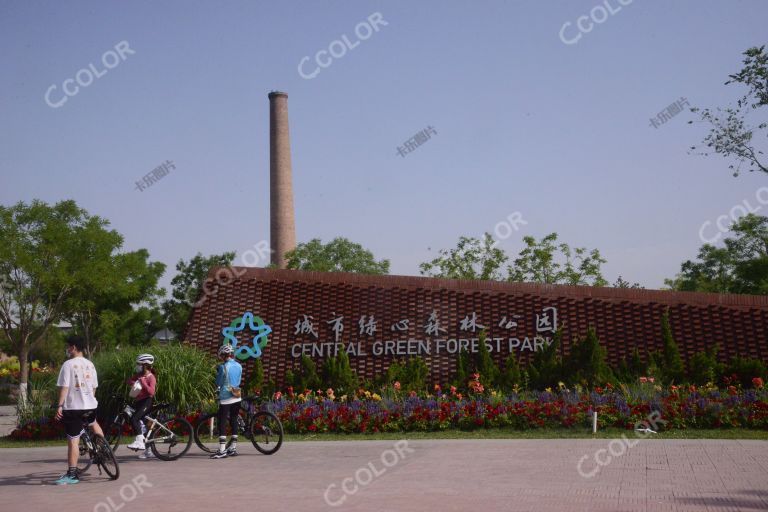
[(228, 378)]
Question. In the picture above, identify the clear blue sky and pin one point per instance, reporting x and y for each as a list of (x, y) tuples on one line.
[(524, 122)]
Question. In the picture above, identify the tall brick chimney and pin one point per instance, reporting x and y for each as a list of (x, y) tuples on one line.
[(282, 226)]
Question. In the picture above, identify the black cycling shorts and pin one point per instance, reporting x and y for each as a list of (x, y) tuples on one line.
[(73, 420)]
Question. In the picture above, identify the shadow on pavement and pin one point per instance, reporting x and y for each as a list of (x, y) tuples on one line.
[(760, 501), (48, 477)]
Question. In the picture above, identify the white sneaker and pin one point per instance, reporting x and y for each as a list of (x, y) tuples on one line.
[(138, 444), (146, 454)]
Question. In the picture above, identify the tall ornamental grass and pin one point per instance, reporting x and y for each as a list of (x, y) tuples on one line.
[(185, 375)]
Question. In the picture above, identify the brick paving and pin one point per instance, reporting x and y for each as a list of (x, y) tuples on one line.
[(444, 475)]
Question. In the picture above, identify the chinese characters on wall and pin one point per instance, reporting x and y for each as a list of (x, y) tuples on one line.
[(409, 336)]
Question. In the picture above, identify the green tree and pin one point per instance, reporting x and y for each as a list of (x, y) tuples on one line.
[(548, 262), (587, 362), (629, 369), (546, 368), (305, 376), (671, 364), (621, 283), (510, 375), (704, 366), (338, 255), (339, 375), (48, 256), (255, 380), (411, 374), (132, 328), (730, 134), (192, 286), (485, 365), (741, 371), (471, 259), (122, 282), (740, 266), (463, 369)]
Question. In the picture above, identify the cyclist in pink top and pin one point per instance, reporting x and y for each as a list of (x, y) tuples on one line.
[(145, 376)]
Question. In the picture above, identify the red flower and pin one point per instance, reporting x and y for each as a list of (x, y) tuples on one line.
[(758, 383)]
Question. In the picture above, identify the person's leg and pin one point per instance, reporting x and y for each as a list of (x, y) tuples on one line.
[(222, 416), (234, 411), (142, 408), (97, 429), (73, 427), (94, 425), (73, 452)]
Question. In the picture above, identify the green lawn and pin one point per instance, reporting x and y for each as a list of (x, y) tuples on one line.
[(481, 434)]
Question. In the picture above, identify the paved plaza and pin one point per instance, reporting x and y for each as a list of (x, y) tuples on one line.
[(414, 475)]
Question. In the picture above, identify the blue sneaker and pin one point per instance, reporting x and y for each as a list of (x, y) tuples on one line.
[(67, 479)]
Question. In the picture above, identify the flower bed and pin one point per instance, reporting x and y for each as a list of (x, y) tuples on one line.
[(396, 411), (623, 408)]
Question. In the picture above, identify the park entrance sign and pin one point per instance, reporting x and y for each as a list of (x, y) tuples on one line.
[(378, 319)]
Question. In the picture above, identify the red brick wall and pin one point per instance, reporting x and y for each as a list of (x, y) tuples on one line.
[(622, 318)]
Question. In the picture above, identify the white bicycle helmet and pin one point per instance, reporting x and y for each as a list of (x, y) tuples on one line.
[(226, 349), (145, 359)]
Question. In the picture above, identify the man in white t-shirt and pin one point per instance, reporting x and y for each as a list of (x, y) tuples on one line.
[(77, 402)]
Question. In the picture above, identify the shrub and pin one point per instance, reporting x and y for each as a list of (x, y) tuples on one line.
[(255, 381), (463, 370), (630, 369), (510, 376), (546, 367), (587, 361), (670, 364), (185, 375), (704, 366), (484, 364), (305, 376), (339, 375), (42, 393), (741, 370), (411, 374)]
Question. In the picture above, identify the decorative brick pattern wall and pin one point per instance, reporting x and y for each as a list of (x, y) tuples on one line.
[(623, 318)]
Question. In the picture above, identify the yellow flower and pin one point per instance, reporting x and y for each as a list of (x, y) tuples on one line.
[(376, 397), (561, 384), (548, 390)]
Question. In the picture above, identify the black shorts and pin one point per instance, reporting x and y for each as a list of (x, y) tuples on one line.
[(73, 420)]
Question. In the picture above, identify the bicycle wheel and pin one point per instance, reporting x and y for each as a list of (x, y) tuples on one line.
[(104, 457), (114, 432), (205, 435), (84, 460), (172, 439), (267, 432), (206, 432)]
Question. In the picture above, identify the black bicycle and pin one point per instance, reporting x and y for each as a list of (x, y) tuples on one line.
[(94, 449), (259, 426), (168, 439)]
